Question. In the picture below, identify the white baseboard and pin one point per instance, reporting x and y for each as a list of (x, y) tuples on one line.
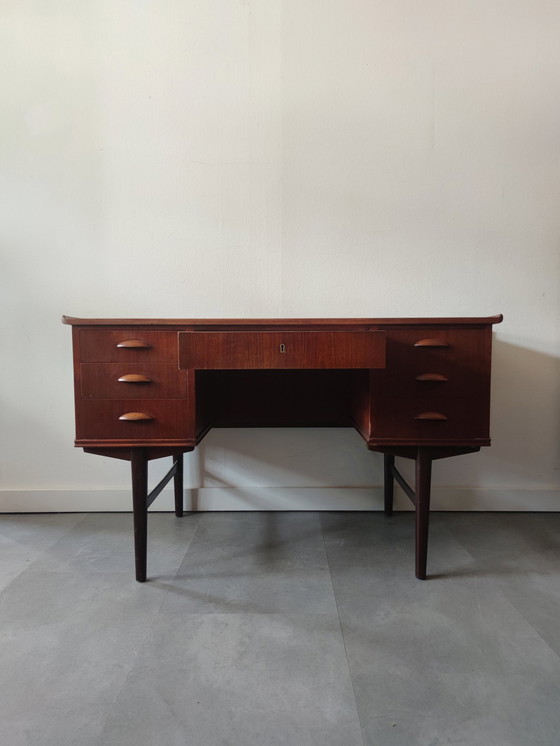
[(278, 498)]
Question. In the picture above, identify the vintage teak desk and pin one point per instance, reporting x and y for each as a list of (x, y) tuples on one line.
[(148, 388)]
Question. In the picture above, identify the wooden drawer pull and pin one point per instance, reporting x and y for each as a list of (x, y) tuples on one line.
[(431, 343), (134, 378), (431, 377), (131, 343), (136, 417), (430, 416)]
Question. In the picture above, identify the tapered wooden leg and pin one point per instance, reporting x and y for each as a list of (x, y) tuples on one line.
[(388, 483), (178, 485), (139, 466), (423, 484)]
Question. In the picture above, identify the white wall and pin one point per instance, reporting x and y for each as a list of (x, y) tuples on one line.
[(250, 158)]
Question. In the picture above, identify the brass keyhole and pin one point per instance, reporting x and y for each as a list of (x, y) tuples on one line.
[(282, 348)]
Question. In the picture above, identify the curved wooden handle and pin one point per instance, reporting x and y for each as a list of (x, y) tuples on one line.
[(133, 343), (136, 417), (134, 378), (431, 343), (431, 377), (430, 416)]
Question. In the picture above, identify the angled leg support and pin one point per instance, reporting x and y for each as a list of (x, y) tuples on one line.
[(419, 497), (142, 499)]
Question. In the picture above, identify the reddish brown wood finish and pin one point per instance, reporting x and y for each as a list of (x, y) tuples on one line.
[(134, 343), (100, 420), (103, 347), (134, 378), (451, 378), (136, 417), (287, 323), (398, 398), (416, 388), (431, 343), (288, 349), (103, 381)]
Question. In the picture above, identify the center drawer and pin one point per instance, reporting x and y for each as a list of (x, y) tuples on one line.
[(233, 350)]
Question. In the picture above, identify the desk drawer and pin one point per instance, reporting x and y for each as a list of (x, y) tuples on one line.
[(461, 356), (131, 381), (128, 346), (281, 350), (430, 418), (145, 420)]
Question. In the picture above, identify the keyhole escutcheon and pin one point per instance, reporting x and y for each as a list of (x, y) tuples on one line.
[(282, 348)]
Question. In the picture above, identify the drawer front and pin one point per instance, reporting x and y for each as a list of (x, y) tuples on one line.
[(131, 420), (430, 418), (131, 381), (454, 360), (281, 350), (128, 346)]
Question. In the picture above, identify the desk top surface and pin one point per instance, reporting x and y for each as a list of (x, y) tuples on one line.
[(244, 323)]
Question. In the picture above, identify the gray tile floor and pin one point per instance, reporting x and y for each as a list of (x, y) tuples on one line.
[(280, 629)]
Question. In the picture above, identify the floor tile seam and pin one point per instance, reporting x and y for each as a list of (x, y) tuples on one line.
[(16, 576), (50, 546), (190, 542), (501, 581), (48, 549), (148, 633), (343, 637), (527, 621), (134, 658), (175, 574), (461, 543), (522, 617), (43, 552)]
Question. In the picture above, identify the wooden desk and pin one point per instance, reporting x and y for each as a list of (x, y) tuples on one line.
[(148, 388)]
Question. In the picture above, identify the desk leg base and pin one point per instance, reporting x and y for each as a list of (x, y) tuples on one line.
[(388, 483), (178, 486), (142, 499), (423, 485), (139, 468), (420, 496)]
